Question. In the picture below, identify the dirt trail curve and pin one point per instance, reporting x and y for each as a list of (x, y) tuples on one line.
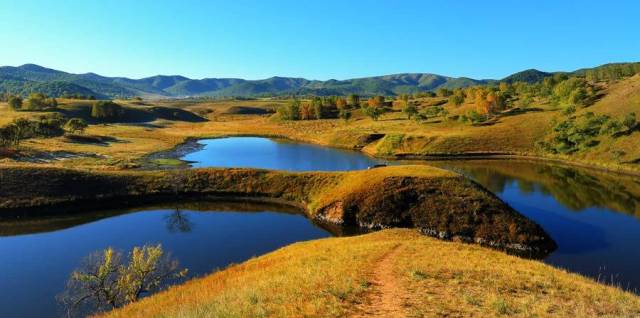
[(387, 297)]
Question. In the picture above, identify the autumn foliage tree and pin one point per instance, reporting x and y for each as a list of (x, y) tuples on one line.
[(483, 106), (306, 111), (341, 103), (107, 280)]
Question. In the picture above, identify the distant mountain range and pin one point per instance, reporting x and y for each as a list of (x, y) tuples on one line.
[(34, 78)]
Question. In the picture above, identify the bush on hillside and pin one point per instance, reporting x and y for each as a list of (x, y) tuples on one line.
[(106, 110), (39, 101), (74, 125), (15, 102), (21, 128)]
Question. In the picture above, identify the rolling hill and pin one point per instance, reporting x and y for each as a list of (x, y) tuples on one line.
[(30, 77)]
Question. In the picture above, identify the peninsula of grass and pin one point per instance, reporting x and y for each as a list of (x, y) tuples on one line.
[(434, 201), (391, 273)]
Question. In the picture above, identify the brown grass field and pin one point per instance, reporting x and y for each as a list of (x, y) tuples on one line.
[(392, 273)]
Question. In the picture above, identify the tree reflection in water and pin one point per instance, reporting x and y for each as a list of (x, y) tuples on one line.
[(178, 222), (575, 188)]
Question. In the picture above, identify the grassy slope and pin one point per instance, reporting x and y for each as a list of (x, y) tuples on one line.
[(334, 277), (621, 99)]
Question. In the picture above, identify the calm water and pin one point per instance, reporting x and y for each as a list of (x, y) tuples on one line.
[(38, 255), (254, 152)]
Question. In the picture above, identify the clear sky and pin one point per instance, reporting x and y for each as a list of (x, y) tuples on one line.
[(317, 39)]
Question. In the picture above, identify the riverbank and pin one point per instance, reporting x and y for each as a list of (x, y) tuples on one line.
[(434, 201), (172, 156), (392, 272)]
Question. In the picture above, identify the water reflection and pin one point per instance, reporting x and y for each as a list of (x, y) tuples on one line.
[(576, 189), (177, 221)]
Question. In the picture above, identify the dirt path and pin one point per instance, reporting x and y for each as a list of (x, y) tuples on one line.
[(387, 297)]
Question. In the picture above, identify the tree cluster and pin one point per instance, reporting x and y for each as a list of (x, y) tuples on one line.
[(106, 110), (580, 132), (21, 129), (35, 102), (319, 108)]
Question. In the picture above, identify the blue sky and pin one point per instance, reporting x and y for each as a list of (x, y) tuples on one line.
[(317, 39)]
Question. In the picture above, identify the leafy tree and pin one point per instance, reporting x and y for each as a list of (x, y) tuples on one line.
[(526, 101), (39, 101), (496, 101), (106, 110), (76, 125), (329, 103), (344, 114), (15, 132), (290, 111), (107, 281), (372, 111), (410, 110), (443, 92), (376, 101), (353, 100), (318, 108), (341, 103), (456, 99), (573, 91), (483, 106), (306, 111), (15, 102)]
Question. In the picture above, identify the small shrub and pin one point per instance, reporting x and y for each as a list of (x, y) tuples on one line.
[(500, 306), (74, 125), (629, 121), (418, 275), (571, 109), (475, 117), (344, 114), (433, 111)]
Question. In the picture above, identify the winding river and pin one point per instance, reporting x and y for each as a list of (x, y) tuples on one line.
[(592, 216)]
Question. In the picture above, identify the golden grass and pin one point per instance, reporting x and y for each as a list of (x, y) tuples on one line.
[(332, 278)]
